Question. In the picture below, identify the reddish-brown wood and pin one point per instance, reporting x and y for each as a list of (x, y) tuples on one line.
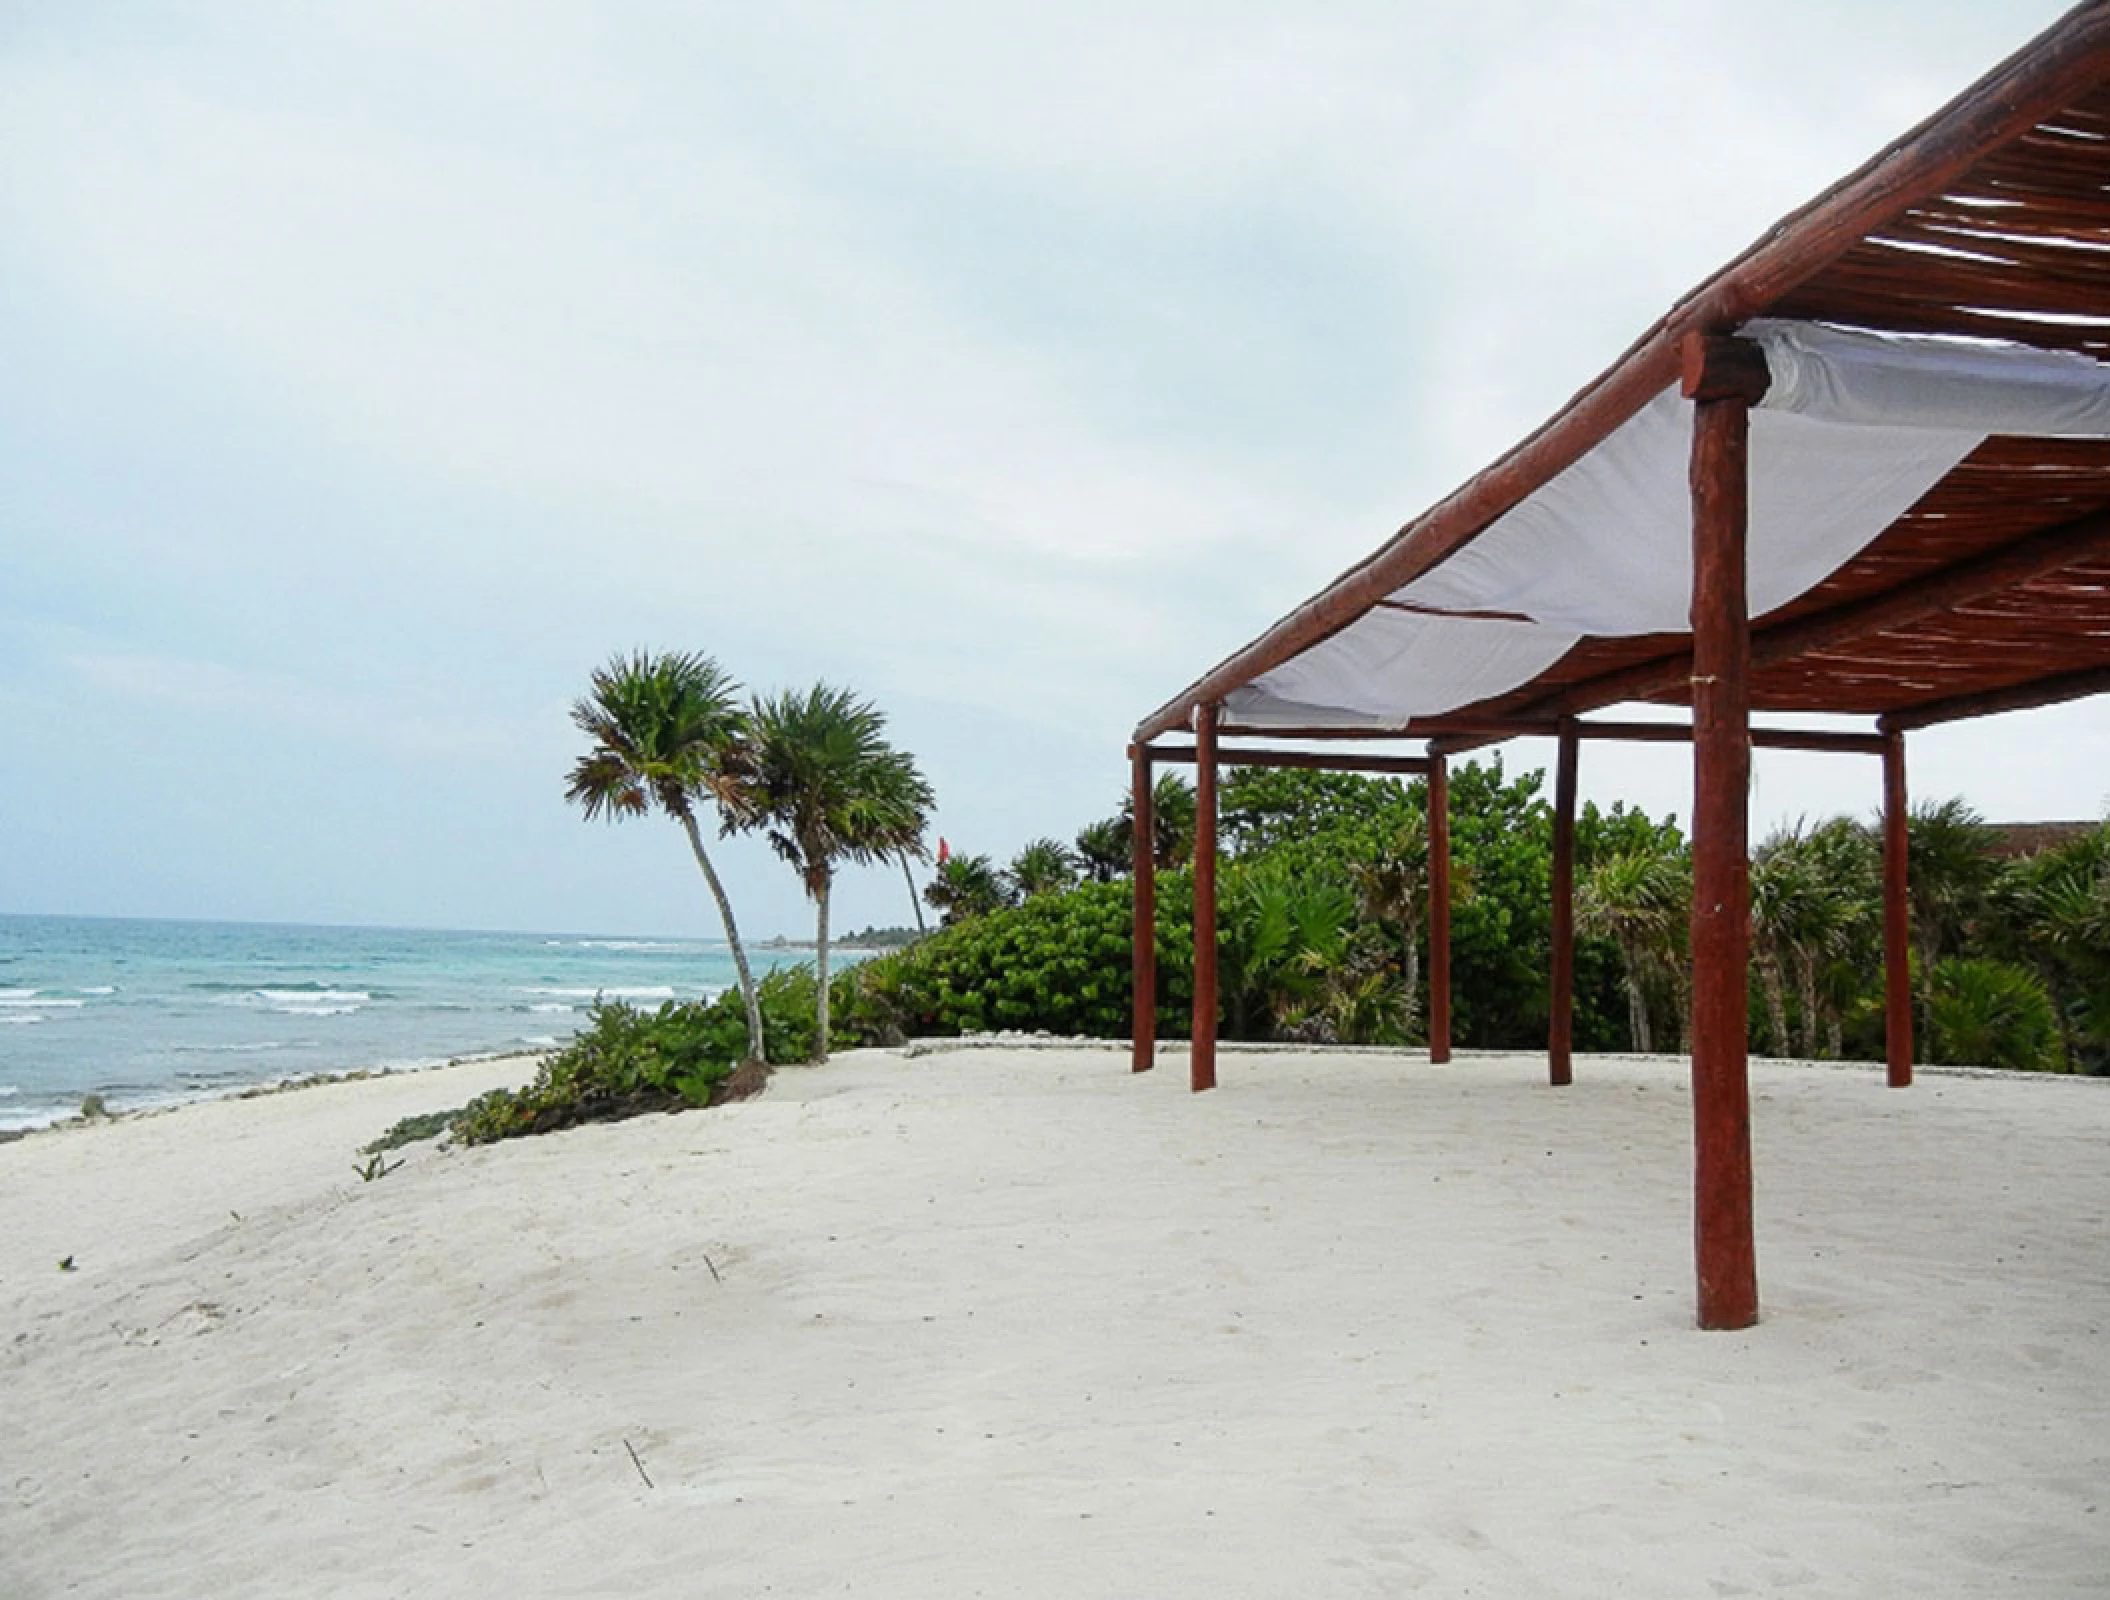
[(1143, 931), (1897, 918), (1711, 368), (1202, 1060), (1229, 728), (1448, 727), (1724, 1243), (1439, 911), (2022, 697), (1560, 1041), (1818, 739), (1410, 766), (1447, 745)]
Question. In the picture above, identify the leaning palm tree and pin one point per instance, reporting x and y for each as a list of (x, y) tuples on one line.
[(827, 788), (668, 730)]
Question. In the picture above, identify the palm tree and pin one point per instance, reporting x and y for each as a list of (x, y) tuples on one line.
[(965, 887), (668, 730), (1813, 902), (1639, 900), (1284, 937), (1173, 819), (1985, 1013), (915, 901), (2055, 917), (1104, 848), (827, 788), (1392, 887), (1951, 867), (1043, 867)]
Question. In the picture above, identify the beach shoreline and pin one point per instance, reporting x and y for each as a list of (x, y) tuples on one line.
[(1011, 1319), (509, 1061)]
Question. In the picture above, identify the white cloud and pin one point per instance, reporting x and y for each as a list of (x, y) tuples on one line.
[(1013, 362)]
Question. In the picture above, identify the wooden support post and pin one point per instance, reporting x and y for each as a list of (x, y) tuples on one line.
[(1560, 1040), (1143, 935), (1202, 1057), (1439, 911), (1897, 917), (1724, 1245)]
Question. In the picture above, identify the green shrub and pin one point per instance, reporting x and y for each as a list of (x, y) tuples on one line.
[(411, 1130), (1991, 1014), (1058, 963), (627, 1062)]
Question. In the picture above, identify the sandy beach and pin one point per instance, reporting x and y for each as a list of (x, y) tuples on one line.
[(1014, 1322)]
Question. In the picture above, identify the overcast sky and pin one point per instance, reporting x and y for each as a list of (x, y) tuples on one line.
[(369, 373)]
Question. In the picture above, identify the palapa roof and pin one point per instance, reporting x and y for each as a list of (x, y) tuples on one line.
[(1930, 533)]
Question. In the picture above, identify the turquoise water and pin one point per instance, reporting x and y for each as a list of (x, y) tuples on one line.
[(146, 1013)]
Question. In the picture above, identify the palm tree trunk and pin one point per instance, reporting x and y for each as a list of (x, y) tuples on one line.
[(1806, 963), (1410, 969), (1637, 1015), (757, 1050), (820, 973), (1774, 984), (915, 901), (1636, 999)]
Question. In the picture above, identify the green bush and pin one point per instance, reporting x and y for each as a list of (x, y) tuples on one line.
[(412, 1130), (1058, 963), (1985, 1013), (627, 1062)]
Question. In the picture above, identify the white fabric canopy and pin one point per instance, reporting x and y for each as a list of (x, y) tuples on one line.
[(1855, 428)]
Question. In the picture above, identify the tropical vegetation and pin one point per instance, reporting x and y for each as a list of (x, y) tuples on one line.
[(668, 731), (1324, 897), (825, 788)]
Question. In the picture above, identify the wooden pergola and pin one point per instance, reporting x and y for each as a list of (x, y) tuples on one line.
[(1970, 264)]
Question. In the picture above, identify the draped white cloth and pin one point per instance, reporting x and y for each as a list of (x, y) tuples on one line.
[(1855, 427)]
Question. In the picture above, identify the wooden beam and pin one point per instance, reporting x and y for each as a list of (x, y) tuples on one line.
[(2040, 78), (1897, 918), (1202, 1057), (1143, 930), (2021, 697), (1717, 367), (1439, 912), (1560, 1038), (1451, 736), (1821, 739), (1912, 601), (1318, 760), (1241, 730), (1724, 1245)]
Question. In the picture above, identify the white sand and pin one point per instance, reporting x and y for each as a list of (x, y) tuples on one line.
[(1016, 1323)]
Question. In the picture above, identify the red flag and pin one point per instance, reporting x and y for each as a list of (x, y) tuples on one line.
[(944, 850)]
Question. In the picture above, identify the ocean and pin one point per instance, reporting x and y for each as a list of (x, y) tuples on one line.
[(150, 1013)]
